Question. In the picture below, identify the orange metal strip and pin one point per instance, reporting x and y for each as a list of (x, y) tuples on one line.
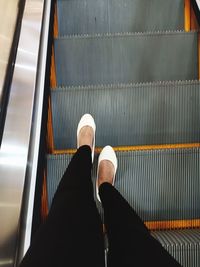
[(199, 54), (55, 25), (169, 225), (53, 80), (135, 148), (44, 199), (187, 15), (177, 224), (50, 137)]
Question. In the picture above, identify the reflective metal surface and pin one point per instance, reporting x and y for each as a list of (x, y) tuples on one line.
[(8, 15), (16, 137), (35, 138)]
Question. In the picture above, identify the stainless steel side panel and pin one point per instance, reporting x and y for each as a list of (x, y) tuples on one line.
[(8, 15), (16, 137)]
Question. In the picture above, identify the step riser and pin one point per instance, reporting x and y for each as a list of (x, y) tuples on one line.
[(132, 115), (103, 16), (126, 59), (160, 185), (183, 245)]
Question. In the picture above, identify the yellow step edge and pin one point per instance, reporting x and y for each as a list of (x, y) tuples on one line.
[(53, 79), (134, 148), (44, 198), (199, 54), (49, 137), (187, 11), (169, 225)]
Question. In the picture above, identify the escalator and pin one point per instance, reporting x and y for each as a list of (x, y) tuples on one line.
[(134, 65)]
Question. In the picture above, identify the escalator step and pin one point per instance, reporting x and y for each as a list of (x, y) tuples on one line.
[(109, 16), (184, 245), (126, 115), (126, 58), (161, 185)]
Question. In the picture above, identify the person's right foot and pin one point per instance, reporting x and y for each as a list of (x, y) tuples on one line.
[(106, 172), (107, 167)]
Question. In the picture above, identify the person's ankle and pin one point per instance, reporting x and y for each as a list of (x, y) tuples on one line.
[(86, 137), (106, 172)]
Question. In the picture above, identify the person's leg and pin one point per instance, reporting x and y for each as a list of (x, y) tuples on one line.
[(72, 234), (130, 242)]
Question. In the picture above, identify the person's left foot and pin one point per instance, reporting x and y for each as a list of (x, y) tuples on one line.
[(86, 132)]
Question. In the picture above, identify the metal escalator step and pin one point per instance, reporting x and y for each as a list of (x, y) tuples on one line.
[(128, 115), (184, 245), (109, 16), (161, 185), (126, 58)]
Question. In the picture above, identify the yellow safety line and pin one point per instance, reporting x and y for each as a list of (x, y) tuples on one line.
[(199, 55), (169, 225), (44, 199), (50, 136), (135, 148), (53, 80), (187, 15), (176, 224)]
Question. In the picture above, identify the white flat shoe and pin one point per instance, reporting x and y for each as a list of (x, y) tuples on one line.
[(87, 120), (107, 153)]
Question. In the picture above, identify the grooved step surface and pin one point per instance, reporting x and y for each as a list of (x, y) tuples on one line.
[(160, 185), (184, 245), (126, 58), (109, 16), (126, 115)]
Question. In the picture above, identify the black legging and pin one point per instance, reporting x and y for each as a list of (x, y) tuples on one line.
[(72, 235)]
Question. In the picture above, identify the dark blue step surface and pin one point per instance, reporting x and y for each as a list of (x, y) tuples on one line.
[(160, 185), (184, 245), (126, 58), (126, 115), (109, 16)]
